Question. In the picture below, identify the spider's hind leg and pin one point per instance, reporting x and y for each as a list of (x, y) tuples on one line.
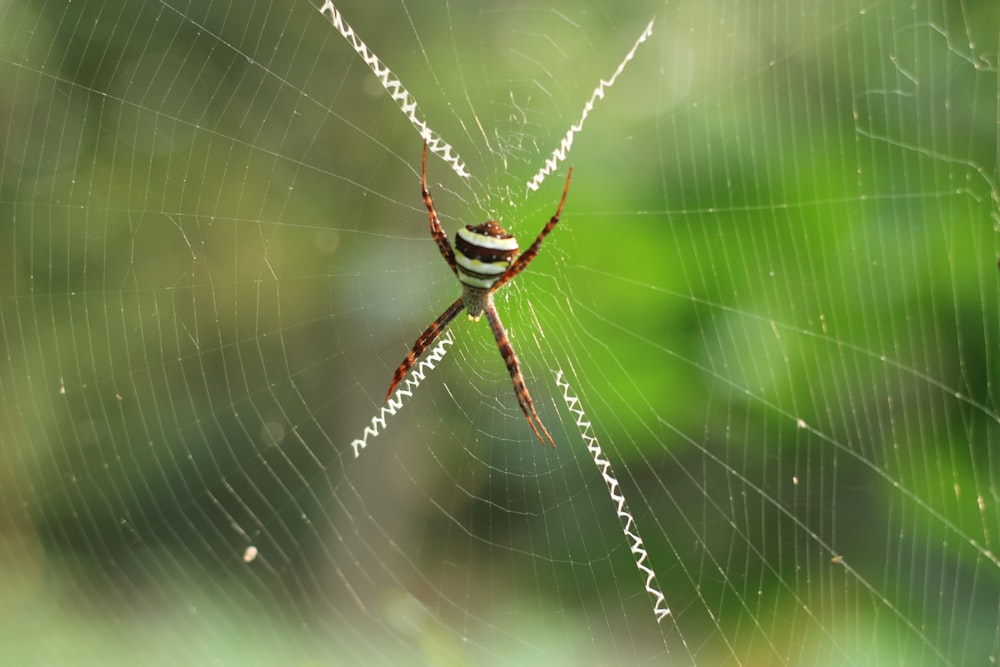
[(425, 340), (514, 368)]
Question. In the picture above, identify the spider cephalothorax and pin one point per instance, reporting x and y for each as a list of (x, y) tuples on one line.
[(485, 258)]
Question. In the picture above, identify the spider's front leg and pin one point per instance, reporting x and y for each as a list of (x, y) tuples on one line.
[(525, 257), (514, 368), (439, 236), (426, 339)]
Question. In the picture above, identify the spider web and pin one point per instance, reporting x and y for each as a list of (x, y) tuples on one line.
[(771, 306)]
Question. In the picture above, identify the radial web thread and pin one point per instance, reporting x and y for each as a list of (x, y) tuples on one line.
[(639, 553), (393, 86), (405, 391)]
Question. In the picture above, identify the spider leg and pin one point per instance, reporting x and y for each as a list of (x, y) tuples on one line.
[(426, 339), (439, 236), (525, 257), (514, 368)]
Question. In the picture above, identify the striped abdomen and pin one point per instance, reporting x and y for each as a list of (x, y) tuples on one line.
[(483, 253)]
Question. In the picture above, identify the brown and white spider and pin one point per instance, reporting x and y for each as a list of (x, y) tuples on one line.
[(485, 258)]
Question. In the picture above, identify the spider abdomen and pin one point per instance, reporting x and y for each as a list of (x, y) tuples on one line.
[(483, 253)]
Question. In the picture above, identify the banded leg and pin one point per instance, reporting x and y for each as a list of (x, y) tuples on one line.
[(439, 236), (514, 368), (423, 342), (525, 257)]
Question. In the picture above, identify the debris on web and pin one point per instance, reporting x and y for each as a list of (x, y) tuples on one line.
[(393, 86), (559, 154), (639, 553), (405, 391)]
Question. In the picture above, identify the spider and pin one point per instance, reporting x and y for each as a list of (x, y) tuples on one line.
[(485, 259)]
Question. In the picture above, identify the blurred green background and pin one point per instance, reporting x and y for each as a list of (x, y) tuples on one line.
[(774, 289)]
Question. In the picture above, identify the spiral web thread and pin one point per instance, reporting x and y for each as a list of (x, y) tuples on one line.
[(639, 553), (393, 86), (405, 391), (559, 154)]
